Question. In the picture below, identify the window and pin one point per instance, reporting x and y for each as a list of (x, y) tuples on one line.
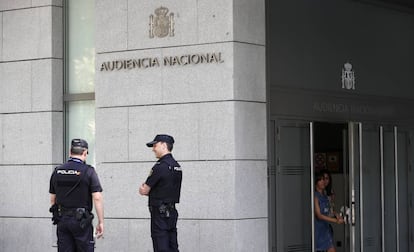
[(79, 96)]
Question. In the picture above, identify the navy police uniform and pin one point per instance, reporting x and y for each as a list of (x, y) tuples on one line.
[(73, 184), (165, 182)]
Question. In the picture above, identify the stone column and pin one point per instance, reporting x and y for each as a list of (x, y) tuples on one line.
[(31, 122), (195, 70)]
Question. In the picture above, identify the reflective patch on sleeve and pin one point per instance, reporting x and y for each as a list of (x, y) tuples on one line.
[(178, 168)]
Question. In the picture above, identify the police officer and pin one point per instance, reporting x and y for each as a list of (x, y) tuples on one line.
[(73, 187), (163, 187)]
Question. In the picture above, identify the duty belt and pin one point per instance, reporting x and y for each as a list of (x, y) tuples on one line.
[(169, 206), (69, 211)]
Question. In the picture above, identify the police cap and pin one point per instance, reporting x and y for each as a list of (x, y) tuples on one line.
[(77, 142), (161, 138)]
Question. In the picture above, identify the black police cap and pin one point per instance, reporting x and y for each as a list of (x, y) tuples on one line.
[(161, 138), (77, 142)]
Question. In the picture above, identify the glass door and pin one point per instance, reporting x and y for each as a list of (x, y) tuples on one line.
[(370, 181), (378, 188), (371, 168)]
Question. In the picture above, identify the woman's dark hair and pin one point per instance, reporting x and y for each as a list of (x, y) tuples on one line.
[(318, 177), (328, 188)]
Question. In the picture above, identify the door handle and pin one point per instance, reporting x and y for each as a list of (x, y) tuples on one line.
[(353, 213)]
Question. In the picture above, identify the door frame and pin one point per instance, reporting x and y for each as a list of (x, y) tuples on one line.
[(276, 122)]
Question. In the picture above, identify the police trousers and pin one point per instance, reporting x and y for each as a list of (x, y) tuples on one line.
[(72, 238), (164, 230)]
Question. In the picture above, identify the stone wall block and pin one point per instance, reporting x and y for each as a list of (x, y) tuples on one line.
[(16, 95), (112, 142), (29, 184), (1, 39), (249, 72), (111, 25), (194, 22), (249, 21), (16, 4), (250, 130), (27, 33), (35, 232), (47, 85), (30, 139), (169, 75)]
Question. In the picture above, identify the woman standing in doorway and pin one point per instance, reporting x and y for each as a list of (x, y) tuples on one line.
[(323, 232), (327, 178)]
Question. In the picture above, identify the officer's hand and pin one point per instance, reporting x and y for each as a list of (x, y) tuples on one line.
[(99, 230), (144, 189)]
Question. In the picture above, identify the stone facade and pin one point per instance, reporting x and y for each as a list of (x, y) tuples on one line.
[(31, 120), (216, 111)]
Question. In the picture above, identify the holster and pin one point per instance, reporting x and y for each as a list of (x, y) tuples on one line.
[(84, 217), (54, 209), (165, 209)]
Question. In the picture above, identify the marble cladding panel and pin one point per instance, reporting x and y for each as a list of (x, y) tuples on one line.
[(222, 235), (112, 134), (111, 25), (125, 235), (47, 2), (25, 135), (14, 4), (212, 129), (193, 235), (248, 175), (217, 236), (36, 234), (175, 75), (252, 235), (1, 40), (32, 33), (16, 87), (201, 193), (203, 131), (184, 24), (31, 86), (199, 82), (250, 130), (128, 86), (19, 4), (193, 22), (214, 22), (1, 136), (120, 183), (249, 72), (208, 190), (47, 85), (217, 131), (57, 32), (29, 184), (249, 21)]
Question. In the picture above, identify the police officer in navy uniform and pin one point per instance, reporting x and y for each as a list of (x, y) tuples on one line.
[(73, 187), (163, 187)]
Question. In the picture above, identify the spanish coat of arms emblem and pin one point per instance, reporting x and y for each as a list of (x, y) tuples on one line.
[(162, 24), (348, 77)]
